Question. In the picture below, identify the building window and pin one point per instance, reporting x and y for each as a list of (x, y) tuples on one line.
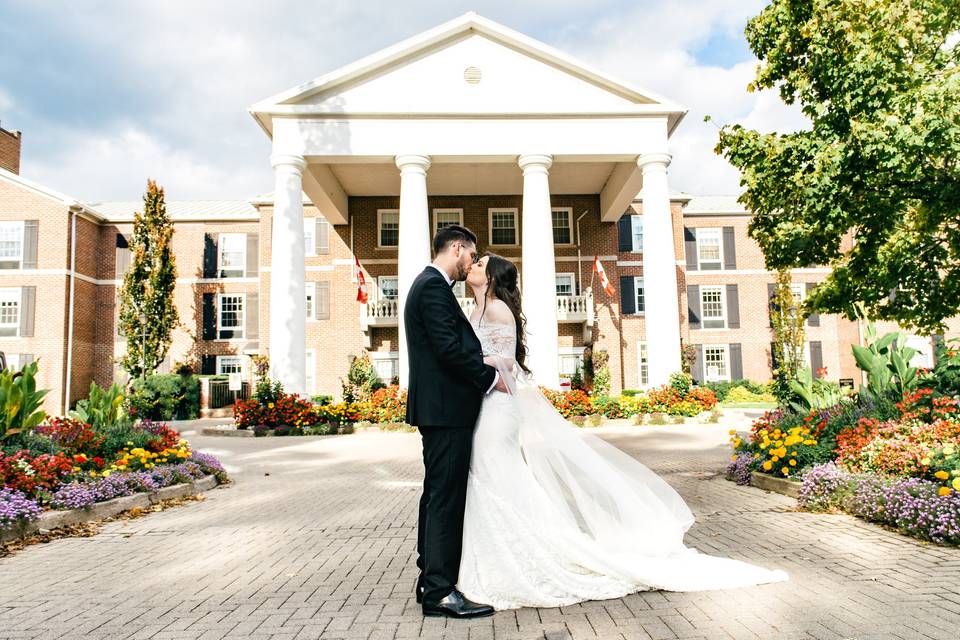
[(388, 288), (388, 228), (570, 360), (446, 217), (562, 225), (636, 227), (386, 364), (712, 307), (311, 288), (565, 284), (643, 370), (9, 312), (311, 369), (230, 316), (503, 227), (715, 360), (708, 249), (310, 236), (233, 255), (11, 244), (640, 298), (229, 364)]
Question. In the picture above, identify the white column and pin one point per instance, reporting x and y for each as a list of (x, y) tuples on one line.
[(414, 251), (539, 282), (659, 271), (287, 292)]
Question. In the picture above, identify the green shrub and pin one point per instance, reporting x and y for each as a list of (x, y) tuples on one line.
[(103, 408), (120, 435), (166, 397), (657, 418), (322, 399), (632, 392), (608, 407), (681, 382), (742, 394), (31, 441), (722, 388), (20, 401)]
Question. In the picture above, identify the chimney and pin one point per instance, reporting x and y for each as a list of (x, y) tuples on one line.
[(10, 150)]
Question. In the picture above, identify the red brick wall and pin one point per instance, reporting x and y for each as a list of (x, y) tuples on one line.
[(10, 150)]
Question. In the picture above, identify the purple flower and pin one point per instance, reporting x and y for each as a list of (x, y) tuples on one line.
[(75, 495), (741, 467), (16, 508)]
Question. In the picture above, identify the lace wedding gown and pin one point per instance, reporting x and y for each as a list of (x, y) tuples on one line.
[(555, 516)]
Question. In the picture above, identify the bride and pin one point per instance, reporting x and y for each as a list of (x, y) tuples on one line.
[(555, 516)]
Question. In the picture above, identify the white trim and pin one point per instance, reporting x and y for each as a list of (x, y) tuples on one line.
[(710, 231), (380, 280), (237, 357), (380, 213), (636, 298), (243, 260), (19, 224), (243, 316), (636, 218), (385, 356), (310, 248), (516, 225), (311, 294), (573, 280), (723, 305), (458, 211), (16, 296), (311, 372), (640, 383), (569, 351), (569, 212), (726, 360)]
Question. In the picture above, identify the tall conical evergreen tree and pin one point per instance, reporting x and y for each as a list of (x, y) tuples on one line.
[(148, 287)]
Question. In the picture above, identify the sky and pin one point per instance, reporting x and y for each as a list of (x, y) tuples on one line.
[(108, 93)]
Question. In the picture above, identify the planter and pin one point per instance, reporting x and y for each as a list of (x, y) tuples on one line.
[(55, 519), (226, 430), (786, 486)]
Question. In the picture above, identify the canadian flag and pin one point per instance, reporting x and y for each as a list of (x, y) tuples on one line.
[(602, 275), (361, 284)]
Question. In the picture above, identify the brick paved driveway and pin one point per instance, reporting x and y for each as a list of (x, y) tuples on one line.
[(315, 540)]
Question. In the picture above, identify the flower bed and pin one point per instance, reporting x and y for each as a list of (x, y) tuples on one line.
[(674, 400)]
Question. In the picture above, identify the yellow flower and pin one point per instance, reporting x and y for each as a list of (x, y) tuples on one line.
[(767, 465), (925, 462), (956, 484), (943, 491), (270, 405), (775, 458), (941, 475), (948, 450), (756, 455), (732, 431), (106, 474), (793, 463), (733, 458), (785, 470)]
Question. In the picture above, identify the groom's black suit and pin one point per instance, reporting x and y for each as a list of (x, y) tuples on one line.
[(448, 379)]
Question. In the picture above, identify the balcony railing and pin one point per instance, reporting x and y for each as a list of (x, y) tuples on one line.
[(385, 313)]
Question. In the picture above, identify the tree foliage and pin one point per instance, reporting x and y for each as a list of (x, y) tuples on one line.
[(148, 287), (879, 82), (788, 337)]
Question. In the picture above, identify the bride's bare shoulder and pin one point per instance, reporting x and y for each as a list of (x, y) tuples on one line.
[(497, 311)]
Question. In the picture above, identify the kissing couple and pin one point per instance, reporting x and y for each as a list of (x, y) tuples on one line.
[(519, 507)]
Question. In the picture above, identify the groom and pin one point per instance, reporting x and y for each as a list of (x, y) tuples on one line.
[(448, 380)]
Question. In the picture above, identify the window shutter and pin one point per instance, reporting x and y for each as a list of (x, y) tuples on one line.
[(625, 227), (123, 257), (28, 302), (208, 365), (693, 305), (736, 361), (816, 356), (729, 248), (628, 296), (209, 255), (814, 318), (252, 316), (253, 254), (30, 237), (690, 248), (322, 303), (733, 307), (771, 291), (323, 237), (697, 369), (209, 317)]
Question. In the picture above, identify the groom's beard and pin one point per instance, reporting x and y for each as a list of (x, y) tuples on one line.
[(461, 273)]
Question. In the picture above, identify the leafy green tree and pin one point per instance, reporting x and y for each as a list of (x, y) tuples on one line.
[(148, 314), (788, 338), (880, 84)]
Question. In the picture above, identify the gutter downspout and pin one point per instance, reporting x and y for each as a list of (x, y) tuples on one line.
[(73, 280)]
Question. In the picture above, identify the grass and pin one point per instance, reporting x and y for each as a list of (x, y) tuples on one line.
[(748, 405)]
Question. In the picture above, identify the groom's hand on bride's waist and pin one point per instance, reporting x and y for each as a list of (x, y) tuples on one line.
[(503, 384)]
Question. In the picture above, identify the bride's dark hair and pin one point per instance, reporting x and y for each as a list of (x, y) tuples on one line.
[(502, 283)]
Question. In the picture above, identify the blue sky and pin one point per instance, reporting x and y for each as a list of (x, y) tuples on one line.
[(108, 93)]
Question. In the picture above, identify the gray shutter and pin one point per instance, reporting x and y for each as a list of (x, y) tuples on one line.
[(123, 257), (208, 365), (697, 368), (816, 356), (252, 316), (690, 248), (625, 229), (323, 237), (736, 361), (733, 307), (814, 319), (28, 303), (322, 303), (628, 296), (209, 255), (771, 291), (729, 248), (693, 305), (253, 254), (30, 237), (209, 318)]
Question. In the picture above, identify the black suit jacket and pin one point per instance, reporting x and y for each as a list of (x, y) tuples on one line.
[(448, 377)]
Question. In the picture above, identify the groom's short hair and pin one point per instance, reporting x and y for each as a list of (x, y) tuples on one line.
[(453, 233)]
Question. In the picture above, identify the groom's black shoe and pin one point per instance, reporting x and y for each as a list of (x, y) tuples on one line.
[(418, 589), (454, 605)]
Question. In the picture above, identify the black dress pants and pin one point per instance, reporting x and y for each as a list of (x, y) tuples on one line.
[(446, 462)]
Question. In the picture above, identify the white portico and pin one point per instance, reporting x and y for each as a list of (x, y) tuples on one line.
[(471, 108)]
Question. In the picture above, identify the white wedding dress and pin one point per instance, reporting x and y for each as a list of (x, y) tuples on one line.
[(556, 516)]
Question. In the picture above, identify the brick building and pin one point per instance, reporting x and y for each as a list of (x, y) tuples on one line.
[(366, 173)]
